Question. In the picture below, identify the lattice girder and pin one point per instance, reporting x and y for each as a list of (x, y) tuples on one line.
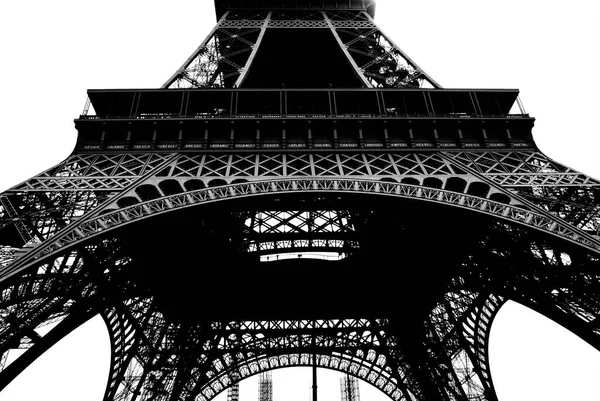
[(97, 225), (454, 341), (461, 337), (226, 55), (257, 358), (452, 344), (219, 62), (59, 293), (472, 327), (438, 204)]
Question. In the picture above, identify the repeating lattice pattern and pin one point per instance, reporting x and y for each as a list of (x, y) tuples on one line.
[(297, 24), (220, 60), (384, 65), (94, 172), (40, 215), (515, 214), (241, 24), (526, 168), (38, 300), (149, 349), (329, 230), (538, 242), (311, 165)]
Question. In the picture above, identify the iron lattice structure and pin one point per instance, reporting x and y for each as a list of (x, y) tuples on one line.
[(265, 387), (233, 392), (299, 130), (349, 388)]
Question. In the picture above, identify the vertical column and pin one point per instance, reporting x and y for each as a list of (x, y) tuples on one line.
[(187, 62), (242, 76), (314, 378), (408, 60), (357, 70)]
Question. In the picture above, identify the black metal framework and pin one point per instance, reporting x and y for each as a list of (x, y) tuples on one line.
[(434, 204), (265, 387), (349, 388), (224, 58)]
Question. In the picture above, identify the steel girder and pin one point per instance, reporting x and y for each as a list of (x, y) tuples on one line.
[(76, 269), (68, 247), (225, 56)]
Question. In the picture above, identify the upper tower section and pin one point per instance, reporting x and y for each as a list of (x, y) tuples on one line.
[(222, 6), (298, 44)]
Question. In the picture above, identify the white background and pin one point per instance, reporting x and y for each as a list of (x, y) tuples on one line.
[(52, 51)]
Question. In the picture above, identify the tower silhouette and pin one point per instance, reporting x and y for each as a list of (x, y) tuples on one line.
[(257, 150)]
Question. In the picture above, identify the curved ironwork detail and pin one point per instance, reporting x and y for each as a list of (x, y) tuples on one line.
[(103, 223), (242, 349), (80, 239), (364, 348), (150, 351)]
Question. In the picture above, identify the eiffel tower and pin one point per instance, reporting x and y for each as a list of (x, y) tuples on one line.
[(395, 218)]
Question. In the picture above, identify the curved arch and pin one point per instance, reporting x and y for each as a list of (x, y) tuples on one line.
[(147, 192), (343, 364), (71, 322), (120, 324), (479, 189), (456, 184), (388, 179), (361, 346), (170, 187), (127, 201), (472, 316), (533, 332), (410, 181), (55, 284), (365, 360), (101, 224), (216, 182), (59, 290), (194, 185), (569, 306), (500, 197), (432, 182)]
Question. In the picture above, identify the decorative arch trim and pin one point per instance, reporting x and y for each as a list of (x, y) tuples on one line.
[(101, 224), (370, 372)]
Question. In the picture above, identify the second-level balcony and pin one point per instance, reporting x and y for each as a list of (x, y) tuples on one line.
[(327, 119), (301, 103)]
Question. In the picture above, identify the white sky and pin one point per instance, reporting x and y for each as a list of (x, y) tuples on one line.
[(53, 51)]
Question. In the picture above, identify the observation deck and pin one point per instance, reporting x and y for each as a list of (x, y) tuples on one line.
[(324, 119)]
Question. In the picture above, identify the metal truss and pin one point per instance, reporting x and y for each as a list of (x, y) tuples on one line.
[(49, 202), (248, 348), (349, 388), (445, 176), (225, 56), (465, 229), (94, 172), (233, 392), (265, 387), (150, 352), (378, 59), (147, 350), (222, 57), (7, 255), (522, 169), (273, 231)]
